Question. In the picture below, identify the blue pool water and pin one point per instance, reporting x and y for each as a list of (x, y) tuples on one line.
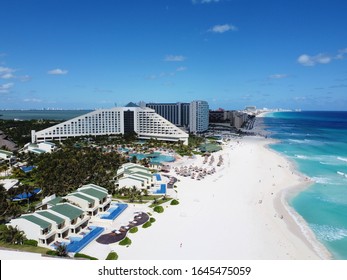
[(114, 212), (317, 143), (158, 177), (154, 158), (162, 189), (77, 244)]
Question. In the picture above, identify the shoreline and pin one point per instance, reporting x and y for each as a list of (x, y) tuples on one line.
[(232, 214)]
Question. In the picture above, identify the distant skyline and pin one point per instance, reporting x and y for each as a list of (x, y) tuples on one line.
[(90, 54)]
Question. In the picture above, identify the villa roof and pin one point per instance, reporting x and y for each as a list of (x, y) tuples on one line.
[(137, 166), (148, 175), (51, 216), (133, 178), (6, 152), (94, 193), (48, 143), (84, 197), (67, 210), (42, 223), (55, 201), (96, 187)]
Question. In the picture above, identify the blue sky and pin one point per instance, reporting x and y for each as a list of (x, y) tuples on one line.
[(231, 53)]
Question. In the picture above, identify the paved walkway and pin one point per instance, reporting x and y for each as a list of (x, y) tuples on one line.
[(113, 237)]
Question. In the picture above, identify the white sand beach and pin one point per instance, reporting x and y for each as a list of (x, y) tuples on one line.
[(239, 212)]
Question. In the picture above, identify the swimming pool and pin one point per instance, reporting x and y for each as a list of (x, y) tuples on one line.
[(77, 244), (157, 176), (154, 157), (162, 189), (114, 211)]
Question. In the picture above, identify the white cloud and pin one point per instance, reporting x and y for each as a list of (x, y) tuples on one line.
[(5, 88), (24, 78), (223, 28), (182, 68), (174, 58), (57, 71), (308, 60), (6, 73), (278, 76), (34, 100), (341, 54)]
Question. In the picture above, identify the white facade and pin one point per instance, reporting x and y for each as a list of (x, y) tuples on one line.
[(39, 148), (6, 155), (198, 116), (144, 121)]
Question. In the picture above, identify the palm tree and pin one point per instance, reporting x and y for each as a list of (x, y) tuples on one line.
[(12, 235), (62, 250)]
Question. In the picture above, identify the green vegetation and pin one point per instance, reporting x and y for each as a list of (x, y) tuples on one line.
[(133, 230), (20, 131), (174, 202), (152, 220), (112, 256), (83, 256), (147, 224), (30, 242), (63, 171), (52, 253), (125, 242), (12, 235), (158, 209), (133, 195), (62, 250), (8, 209)]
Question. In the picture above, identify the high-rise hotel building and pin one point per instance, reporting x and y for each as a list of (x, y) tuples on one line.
[(194, 115), (198, 116), (177, 113), (145, 122)]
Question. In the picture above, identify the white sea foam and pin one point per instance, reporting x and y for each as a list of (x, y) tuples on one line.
[(342, 159), (328, 232), (306, 141), (321, 180), (342, 174), (301, 156)]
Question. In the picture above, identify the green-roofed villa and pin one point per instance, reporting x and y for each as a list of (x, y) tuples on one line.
[(66, 219)]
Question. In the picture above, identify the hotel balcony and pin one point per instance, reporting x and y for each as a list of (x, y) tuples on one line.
[(76, 224)]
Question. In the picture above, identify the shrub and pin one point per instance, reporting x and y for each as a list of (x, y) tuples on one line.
[(83, 256), (152, 220), (52, 253), (158, 209), (174, 202), (146, 224), (30, 242), (125, 242), (133, 230), (112, 256)]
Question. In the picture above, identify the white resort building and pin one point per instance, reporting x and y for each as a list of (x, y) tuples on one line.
[(134, 175), (120, 120), (59, 218), (198, 116)]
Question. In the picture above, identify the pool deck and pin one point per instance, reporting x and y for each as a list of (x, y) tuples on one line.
[(113, 237)]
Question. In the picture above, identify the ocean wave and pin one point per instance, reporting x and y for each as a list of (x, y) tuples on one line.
[(342, 159), (342, 174), (301, 156), (328, 232), (306, 141), (322, 180)]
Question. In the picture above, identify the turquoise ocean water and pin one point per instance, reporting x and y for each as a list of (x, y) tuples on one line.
[(317, 143)]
